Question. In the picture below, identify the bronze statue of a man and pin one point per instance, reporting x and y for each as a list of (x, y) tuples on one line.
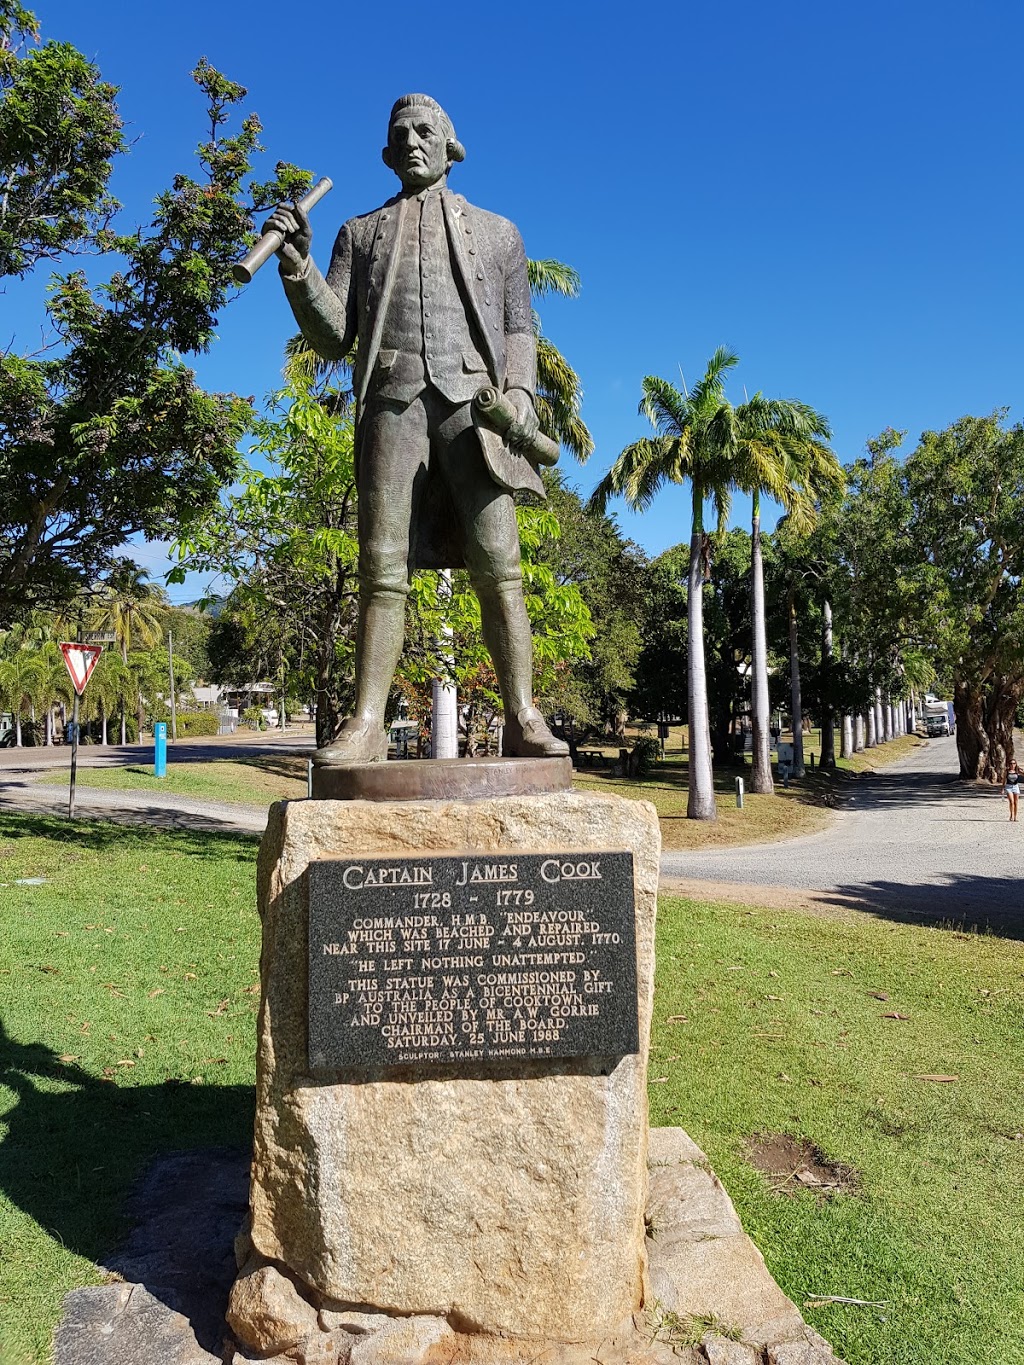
[(436, 293)]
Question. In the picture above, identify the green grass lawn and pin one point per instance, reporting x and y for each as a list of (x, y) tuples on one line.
[(248, 782), (127, 1027), (785, 1031), (128, 999), (801, 808)]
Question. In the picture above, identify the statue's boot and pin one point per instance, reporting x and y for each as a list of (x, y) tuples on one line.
[(363, 738), (506, 630), (526, 735)]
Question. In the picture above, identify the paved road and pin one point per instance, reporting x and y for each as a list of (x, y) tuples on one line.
[(911, 840)]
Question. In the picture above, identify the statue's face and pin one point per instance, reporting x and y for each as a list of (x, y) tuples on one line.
[(418, 147)]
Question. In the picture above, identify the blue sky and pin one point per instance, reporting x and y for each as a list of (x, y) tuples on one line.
[(834, 191)]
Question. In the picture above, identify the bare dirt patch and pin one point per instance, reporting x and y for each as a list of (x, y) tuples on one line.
[(793, 1164), (827, 903)]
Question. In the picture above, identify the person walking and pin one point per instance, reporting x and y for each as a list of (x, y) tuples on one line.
[(1011, 788)]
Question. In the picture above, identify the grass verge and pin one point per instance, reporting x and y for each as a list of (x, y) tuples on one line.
[(828, 1029), (247, 782), (128, 997), (802, 808), (127, 1027)]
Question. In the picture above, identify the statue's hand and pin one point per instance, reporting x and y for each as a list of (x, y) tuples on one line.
[(293, 225), (527, 424)]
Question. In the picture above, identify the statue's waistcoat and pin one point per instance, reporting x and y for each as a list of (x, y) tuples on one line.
[(428, 334)]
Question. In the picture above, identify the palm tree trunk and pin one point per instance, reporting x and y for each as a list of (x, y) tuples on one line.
[(869, 728), (124, 707), (879, 723), (846, 743), (796, 705), (887, 721), (761, 753), (828, 743), (858, 732), (700, 803)]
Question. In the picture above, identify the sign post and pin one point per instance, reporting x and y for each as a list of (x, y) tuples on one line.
[(160, 749), (80, 660)]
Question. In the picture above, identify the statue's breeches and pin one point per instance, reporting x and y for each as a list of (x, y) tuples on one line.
[(413, 473)]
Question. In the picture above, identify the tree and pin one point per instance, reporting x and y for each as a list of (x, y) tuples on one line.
[(559, 392), (106, 434), (965, 486), (778, 449), (127, 604), (55, 198), (611, 575), (688, 446), (287, 542)]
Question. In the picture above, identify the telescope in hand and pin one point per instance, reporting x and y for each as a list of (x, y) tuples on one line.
[(246, 268), (499, 414)]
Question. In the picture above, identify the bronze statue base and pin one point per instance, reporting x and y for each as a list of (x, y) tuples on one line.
[(442, 779)]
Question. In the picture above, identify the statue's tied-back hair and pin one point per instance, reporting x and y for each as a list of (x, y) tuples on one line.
[(456, 151)]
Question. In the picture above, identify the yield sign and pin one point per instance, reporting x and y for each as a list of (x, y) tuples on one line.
[(81, 660)]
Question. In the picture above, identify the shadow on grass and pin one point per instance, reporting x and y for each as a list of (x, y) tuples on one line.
[(74, 1145), (193, 836), (965, 903), (292, 766)]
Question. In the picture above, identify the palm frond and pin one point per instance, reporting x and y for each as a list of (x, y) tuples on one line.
[(638, 473), (553, 277), (664, 406)]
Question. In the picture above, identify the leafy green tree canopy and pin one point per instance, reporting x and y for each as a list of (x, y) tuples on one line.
[(106, 434)]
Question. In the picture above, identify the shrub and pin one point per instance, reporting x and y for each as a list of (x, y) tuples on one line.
[(197, 723), (254, 718), (646, 752)]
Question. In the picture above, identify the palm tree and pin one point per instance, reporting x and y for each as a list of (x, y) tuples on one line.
[(19, 686), (559, 392), (691, 444), (776, 448), (54, 685), (130, 606)]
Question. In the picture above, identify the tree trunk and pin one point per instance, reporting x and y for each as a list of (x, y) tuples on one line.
[(847, 741), (858, 733), (700, 803), (761, 750), (869, 728), (828, 743), (124, 708), (887, 726), (879, 722), (984, 726), (796, 706)]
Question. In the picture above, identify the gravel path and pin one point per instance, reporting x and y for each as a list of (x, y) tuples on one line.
[(912, 841)]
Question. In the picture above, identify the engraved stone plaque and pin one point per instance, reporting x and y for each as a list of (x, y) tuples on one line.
[(431, 960)]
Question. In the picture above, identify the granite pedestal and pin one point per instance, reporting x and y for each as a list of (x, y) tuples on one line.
[(503, 1195)]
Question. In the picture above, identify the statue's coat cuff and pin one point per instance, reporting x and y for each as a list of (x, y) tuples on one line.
[(521, 362)]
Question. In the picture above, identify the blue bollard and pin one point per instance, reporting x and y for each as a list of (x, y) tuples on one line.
[(160, 749)]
